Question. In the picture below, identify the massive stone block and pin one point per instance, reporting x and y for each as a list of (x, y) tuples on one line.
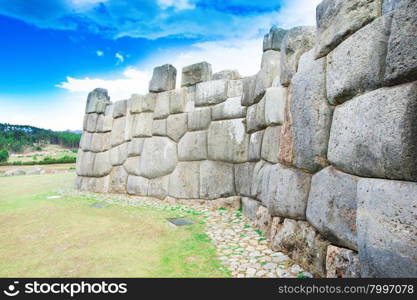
[(180, 102), (273, 39), (401, 62), (193, 146), (275, 99), (229, 109), (255, 146), (176, 126), (211, 92), (137, 185), (248, 89), (102, 165), (270, 144), (243, 178), (132, 165), (228, 141), (159, 157), (285, 191), (135, 146), (118, 133), (162, 105), (196, 73), (158, 187), (100, 142), (250, 207), (331, 206), (342, 263), (269, 70), (142, 124), (163, 78), (387, 229), (119, 109), (297, 41), (85, 141), (199, 119), (389, 5), (118, 180), (373, 135), (255, 117), (85, 163), (118, 154), (90, 122), (184, 182), (306, 131), (97, 101), (159, 127), (235, 88), (338, 19), (139, 103), (216, 180), (357, 64), (226, 74), (303, 244), (259, 171)]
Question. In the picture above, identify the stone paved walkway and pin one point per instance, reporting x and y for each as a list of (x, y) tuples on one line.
[(240, 247)]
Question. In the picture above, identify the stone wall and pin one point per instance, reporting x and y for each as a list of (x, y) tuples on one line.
[(320, 146)]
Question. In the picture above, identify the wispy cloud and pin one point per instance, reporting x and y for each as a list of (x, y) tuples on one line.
[(120, 58), (177, 4), (99, 53)]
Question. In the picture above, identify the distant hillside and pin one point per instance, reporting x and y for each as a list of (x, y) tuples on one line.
[(17, 138)]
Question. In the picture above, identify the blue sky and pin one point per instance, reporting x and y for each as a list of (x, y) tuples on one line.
[(54, 51)]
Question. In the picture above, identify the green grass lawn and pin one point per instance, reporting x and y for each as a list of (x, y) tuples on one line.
[(66, 237)]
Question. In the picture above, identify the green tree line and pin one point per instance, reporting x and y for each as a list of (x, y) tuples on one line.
[(15, 138)]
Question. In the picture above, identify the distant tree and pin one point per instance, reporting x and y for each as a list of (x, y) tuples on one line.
[(4, 155)]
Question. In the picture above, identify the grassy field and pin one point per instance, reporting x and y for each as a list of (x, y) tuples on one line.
[(52, 151), (67, 237)]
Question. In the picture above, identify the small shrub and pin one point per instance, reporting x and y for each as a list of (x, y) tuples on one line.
[(4, 155)]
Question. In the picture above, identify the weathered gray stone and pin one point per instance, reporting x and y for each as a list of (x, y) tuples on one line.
[(243, 178), (248, 88), (235, 88), (231, 203), (297, 41), (132, 165), (338, 19), (102, 184), (196, 73), (163, 78), (118, 154), (255, 145), (357, 65), (102, 165), (285, 191), (250, 207), (373, 135), (273, 39), (104, 123), (263, 221), (275, 99), (270, 68), (159, 127), (97, 101), (226, 74), (118, 180), (162, 105), (118, 133), (90, 122), (270, 144), (184, 182), (342, 263), (139, 103), (401, 62), (161, 150), (199, 119), (258, 178), (211, 92), (306, 140), (135, 146), (85, 141), (100, 142), (15, 172), (216, 180), (255, 117), (302, 243), (389, 5), (228, 141), (180, 102), (35, 171), (119, 109), (251, 119), (158, 187), (387, 229), (137, 185), (85, 163), (229, 109), (142, 124), (331, 207), (177, 126), (193, 146)]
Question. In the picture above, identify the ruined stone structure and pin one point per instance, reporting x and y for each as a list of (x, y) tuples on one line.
[(320, 145)]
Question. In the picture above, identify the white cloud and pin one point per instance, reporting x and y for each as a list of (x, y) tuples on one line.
[(120, 58), (177, 4), (99, 53), (297, 13)]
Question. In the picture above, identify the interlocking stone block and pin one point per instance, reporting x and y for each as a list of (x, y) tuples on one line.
[(163, 78), (161, 150), (184, 182), (216, 180), (177, 126), (211, 92), (196, 73), (193, 146), (273, 39), (97, 101), (199, 119)]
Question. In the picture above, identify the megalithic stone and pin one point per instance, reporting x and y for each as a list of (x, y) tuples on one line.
[(273, 39), (97, 101), (163, 78), (196, 73)]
